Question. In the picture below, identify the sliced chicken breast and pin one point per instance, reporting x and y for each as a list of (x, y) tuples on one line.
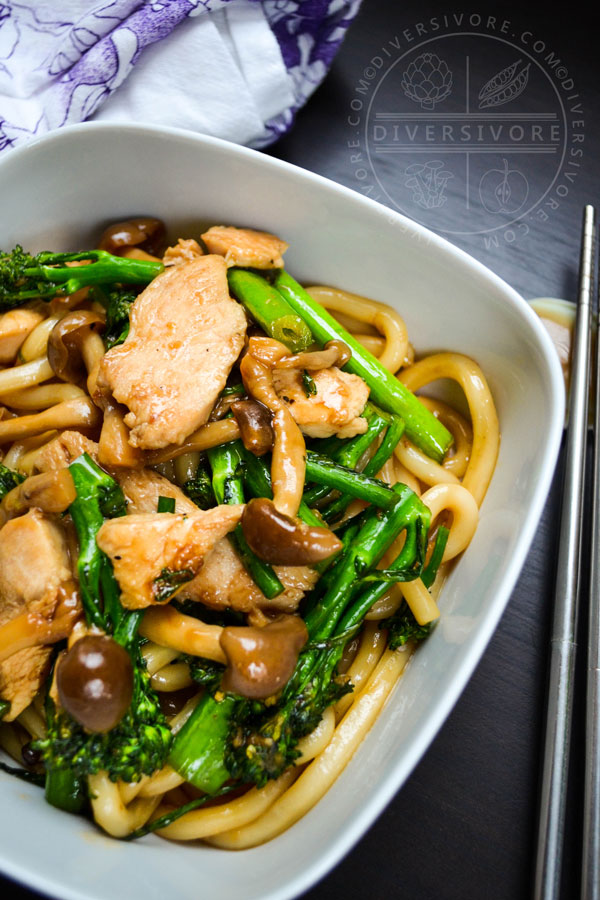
[(245, 247), (34, 566), (154, 555), (336, 407), (185, 335)]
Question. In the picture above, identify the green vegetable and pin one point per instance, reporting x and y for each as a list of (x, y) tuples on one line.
[(262, 744), (227, 484), (257, 479), (422, 427), (324, 471), (9, 480), (308, 384), (117, 302), (431, 569), (165, 505), (170, 817), (65, 791), (23, 774), (348, 452), (25, 277), (197, 751), (4, 708), (199, 489), (268, 308), (258, 740), (139, 744), (169, 581), (205, 672), (403, 627), (385, 450)]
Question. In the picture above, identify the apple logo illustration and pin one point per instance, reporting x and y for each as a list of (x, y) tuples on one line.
[(503, 190)]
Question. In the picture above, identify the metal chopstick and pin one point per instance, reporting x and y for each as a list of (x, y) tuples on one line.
[(590, 869), (563, 638)]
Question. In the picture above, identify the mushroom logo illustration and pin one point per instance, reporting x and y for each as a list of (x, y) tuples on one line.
[(428, 183), (427, 81)]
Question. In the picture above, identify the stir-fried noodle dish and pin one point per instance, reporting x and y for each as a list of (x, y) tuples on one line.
[(225, 519)]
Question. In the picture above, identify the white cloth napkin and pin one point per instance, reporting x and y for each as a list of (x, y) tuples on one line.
[(237, 69)]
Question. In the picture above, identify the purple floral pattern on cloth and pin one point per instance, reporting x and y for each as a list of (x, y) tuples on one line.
[(84, 61)]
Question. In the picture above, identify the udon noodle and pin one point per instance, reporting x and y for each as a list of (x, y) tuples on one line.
[(37, 408)]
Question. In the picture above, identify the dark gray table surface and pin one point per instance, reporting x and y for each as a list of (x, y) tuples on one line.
[(463, 825)]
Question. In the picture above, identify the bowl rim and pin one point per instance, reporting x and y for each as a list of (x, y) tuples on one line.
[(340, 844)]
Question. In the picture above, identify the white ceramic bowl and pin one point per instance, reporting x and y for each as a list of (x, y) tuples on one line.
[(56, 194)]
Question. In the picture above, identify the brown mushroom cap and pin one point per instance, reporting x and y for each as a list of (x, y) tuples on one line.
[(254, 421), (145, 233), (261, 660), (65, 342), (280, 540)]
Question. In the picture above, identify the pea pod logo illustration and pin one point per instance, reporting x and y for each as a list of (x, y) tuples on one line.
[(504, 86), (503, 190)]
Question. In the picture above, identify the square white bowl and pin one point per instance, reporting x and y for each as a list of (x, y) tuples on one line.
[(57, 193)]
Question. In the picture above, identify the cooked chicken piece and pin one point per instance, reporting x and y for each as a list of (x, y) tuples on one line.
[(223, 582), (245, 247), (183, 251), (143, 487), (186, 333), (155, 554), (334, 409), (62, 450), (34, 566), (15, 325)]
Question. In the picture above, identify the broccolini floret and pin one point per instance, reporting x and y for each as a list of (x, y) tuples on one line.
[(9, 479), (139, 744), (46, 275)]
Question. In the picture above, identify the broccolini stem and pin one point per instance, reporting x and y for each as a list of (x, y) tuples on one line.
[(324, 471), (226, 463), (197, 751), (393, 434), (268, 308), (88, 520), (65, 790), (422, 427), (374, 537), (257, 479), (349, 452)]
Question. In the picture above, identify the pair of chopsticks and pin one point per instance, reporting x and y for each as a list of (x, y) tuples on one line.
[(568, 592)]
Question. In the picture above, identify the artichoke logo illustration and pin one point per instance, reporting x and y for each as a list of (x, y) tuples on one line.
[(427, 80)]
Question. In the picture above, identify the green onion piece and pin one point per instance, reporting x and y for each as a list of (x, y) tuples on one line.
[(166, 505), (170, 817), (435, 560)]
